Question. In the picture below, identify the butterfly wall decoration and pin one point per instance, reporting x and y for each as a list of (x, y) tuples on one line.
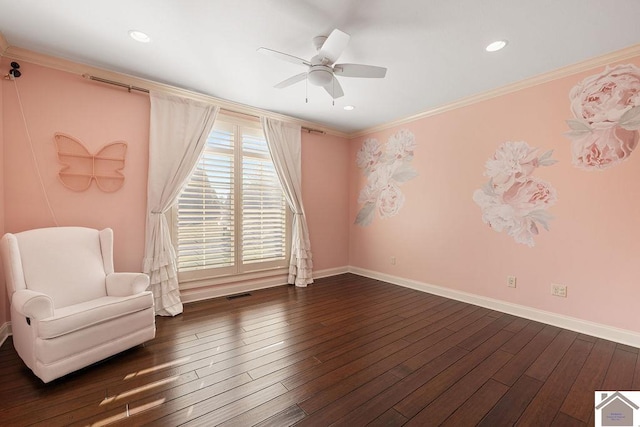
[(80, 167)]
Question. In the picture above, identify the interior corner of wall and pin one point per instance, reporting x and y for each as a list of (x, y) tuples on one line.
[(5, 331)]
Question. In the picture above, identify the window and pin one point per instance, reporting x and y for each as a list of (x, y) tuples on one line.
[(232, 217)]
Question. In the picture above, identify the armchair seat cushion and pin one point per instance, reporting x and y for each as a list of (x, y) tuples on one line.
[(83, 315)]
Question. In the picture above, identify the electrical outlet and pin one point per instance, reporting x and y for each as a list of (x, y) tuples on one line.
[(559, 290), (511, 281), (393, 260)]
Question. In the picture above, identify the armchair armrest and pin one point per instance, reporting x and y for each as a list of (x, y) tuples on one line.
[(126, 284), (32, 304)]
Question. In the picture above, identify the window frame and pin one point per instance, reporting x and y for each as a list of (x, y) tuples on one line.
[(239, 271)]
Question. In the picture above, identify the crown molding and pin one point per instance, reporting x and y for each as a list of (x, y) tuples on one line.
[(599, 61), (20, 54)]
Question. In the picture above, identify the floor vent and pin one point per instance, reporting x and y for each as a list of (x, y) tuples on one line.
[(246, 294)]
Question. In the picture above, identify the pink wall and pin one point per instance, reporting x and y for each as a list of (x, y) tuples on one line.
[(438, 237), (56, 101), (325, 172), (97, 114)]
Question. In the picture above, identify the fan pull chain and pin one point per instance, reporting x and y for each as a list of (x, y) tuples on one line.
[(306, 89), (333, 91)]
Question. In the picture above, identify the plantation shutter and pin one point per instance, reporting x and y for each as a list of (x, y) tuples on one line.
[(232, 216), (206, 232), (263, 203)]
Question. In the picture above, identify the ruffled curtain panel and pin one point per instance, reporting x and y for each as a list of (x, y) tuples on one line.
[(178, 133), (284, 142)]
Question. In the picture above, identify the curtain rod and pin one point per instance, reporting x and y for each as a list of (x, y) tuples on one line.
[(141, 89)]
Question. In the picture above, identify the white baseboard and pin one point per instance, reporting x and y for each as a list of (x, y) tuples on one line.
[(330, 272), (5, 331), (611, 333), (208, 292)]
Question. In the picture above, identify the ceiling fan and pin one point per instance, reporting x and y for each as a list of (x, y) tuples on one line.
[(322, 70)]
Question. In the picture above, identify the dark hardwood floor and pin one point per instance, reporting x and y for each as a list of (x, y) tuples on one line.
[(347, 350)]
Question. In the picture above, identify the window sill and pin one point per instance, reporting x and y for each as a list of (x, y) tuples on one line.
[(232, 279), (203, 289)]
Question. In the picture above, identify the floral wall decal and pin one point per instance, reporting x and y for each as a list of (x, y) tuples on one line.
[(513, 200), (606, 107), (385, 167)]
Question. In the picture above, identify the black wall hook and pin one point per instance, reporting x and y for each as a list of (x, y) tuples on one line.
[(14, 72)]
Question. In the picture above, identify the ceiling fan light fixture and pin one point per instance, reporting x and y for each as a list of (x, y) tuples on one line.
[(320, 76), (322, 69), (139, 36), (349, 108), (496, 45)]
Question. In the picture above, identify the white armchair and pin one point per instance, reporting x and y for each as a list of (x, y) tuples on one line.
[(68, 307)]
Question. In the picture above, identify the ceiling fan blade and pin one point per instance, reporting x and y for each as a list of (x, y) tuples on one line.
[(334, 45), (291, 80), (359, 70), (283, 56), (334, 89)]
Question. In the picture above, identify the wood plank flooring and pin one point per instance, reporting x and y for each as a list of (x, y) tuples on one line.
[(347, 350)]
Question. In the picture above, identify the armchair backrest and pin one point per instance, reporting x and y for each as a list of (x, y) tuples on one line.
[(66, 263)]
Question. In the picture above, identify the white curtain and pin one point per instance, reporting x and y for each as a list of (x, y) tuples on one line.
[(284, 142), (178, 132)]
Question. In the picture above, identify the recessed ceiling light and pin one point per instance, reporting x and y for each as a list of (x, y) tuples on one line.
[(349, 107), (497, 45), (139, 36)]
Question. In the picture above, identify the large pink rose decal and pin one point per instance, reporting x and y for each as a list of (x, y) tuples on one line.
[(385, 167), (514, 200), (607, 117)]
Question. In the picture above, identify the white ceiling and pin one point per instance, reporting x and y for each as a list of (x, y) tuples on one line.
[(433, 49)]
